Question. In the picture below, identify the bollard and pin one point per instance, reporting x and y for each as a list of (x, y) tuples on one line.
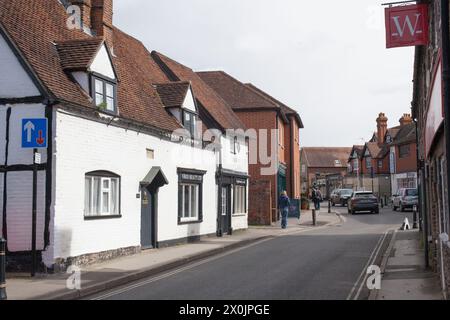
[(329, 206), (314, 217), (3, 269)]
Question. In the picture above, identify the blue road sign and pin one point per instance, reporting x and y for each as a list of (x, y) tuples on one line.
[(34, 133)]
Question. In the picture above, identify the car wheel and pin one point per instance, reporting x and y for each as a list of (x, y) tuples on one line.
[(353, 212), (395, 208), (401, 208), (377, 211)]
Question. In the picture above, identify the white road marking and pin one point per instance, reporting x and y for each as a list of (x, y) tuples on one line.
[(174, 272), (364, 271)]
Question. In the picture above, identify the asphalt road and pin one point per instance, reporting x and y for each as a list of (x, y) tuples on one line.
[(323, 264)]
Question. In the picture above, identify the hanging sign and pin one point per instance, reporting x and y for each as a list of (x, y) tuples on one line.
[(406, 26)]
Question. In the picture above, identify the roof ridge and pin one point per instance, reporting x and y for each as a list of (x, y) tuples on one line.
[(244, 86)]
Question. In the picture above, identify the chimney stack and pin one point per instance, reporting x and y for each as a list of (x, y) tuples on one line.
[(102, 19), (406, 119), (85, 8), (381, 127)]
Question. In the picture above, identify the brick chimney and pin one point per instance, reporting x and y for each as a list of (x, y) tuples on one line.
[(381, 127), (102, 19), (406, 119), (85, 8)]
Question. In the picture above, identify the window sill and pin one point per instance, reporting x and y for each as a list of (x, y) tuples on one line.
[(239, 214), (89, 218), (189, 221)]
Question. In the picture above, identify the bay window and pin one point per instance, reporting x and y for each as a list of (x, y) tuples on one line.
[(101, 194)]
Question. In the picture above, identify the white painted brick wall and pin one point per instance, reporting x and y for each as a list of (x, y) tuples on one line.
[(19, 210), (83, 146)]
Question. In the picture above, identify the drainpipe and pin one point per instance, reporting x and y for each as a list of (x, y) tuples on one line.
[(445, 44)]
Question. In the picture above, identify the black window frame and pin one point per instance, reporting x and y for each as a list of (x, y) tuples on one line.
[(106, 174), (190, 176), (105, 80), (193, 127)]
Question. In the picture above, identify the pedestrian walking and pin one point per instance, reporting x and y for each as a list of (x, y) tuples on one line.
[(284, 203), (316, 198)]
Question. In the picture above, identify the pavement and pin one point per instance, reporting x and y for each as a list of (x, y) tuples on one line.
[(404, 275), (111, 274)]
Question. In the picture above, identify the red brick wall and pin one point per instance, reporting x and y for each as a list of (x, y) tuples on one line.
[(408, 164), (259, 201), (261, 120)]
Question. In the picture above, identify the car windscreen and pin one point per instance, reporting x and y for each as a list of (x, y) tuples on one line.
[(346, 192), (364, 195), (411, 193)]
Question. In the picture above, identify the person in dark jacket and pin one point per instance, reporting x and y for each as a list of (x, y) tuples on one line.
[(284, 204), (316, 197)]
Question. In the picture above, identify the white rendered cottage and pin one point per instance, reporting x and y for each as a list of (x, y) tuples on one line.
[(114, 178)]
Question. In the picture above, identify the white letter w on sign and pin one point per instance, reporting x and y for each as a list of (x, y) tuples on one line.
[(401, 30)]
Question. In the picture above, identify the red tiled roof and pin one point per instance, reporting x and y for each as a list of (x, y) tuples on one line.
[(208, 98), (284, 108), (35, 26), (173, 94), (325, 157), (78, 54), (234, 92), (374, 149)]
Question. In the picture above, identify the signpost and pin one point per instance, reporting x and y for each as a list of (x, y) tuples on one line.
[(406, 25), (34, 136)]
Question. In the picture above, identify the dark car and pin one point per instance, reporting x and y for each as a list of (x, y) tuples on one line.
[(406, 198), (363, 201)]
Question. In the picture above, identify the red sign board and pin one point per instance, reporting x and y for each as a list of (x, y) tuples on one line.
[(407, 26)]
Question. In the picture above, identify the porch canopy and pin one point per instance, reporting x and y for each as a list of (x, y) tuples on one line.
[(154, 179)]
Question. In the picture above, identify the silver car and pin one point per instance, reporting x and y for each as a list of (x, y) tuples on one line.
[(406, 198)]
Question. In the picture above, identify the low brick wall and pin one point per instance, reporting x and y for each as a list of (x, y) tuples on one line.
[(260, 203)]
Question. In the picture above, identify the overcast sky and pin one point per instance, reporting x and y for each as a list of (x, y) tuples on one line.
[(326, 59)]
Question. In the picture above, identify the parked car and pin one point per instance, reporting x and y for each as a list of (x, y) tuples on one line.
[(363, 201), (334, 197), (340, 196), (405, 198), (344, 195)]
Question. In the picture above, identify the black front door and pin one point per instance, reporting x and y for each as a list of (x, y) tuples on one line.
[(147, 219), (226, 209)]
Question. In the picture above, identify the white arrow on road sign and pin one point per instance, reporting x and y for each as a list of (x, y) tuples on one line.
[(29, 126)]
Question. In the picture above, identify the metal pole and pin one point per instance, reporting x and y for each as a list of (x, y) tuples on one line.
[(314, 217), (33, 230), (3, 295), (415, 217), (329, 206)]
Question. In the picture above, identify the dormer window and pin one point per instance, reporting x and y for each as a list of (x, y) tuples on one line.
[(190, 122), (104, 94)]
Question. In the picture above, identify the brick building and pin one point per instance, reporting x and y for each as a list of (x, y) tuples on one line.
[(260, 111), (427, 107), (325, 167), (387, 162)]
